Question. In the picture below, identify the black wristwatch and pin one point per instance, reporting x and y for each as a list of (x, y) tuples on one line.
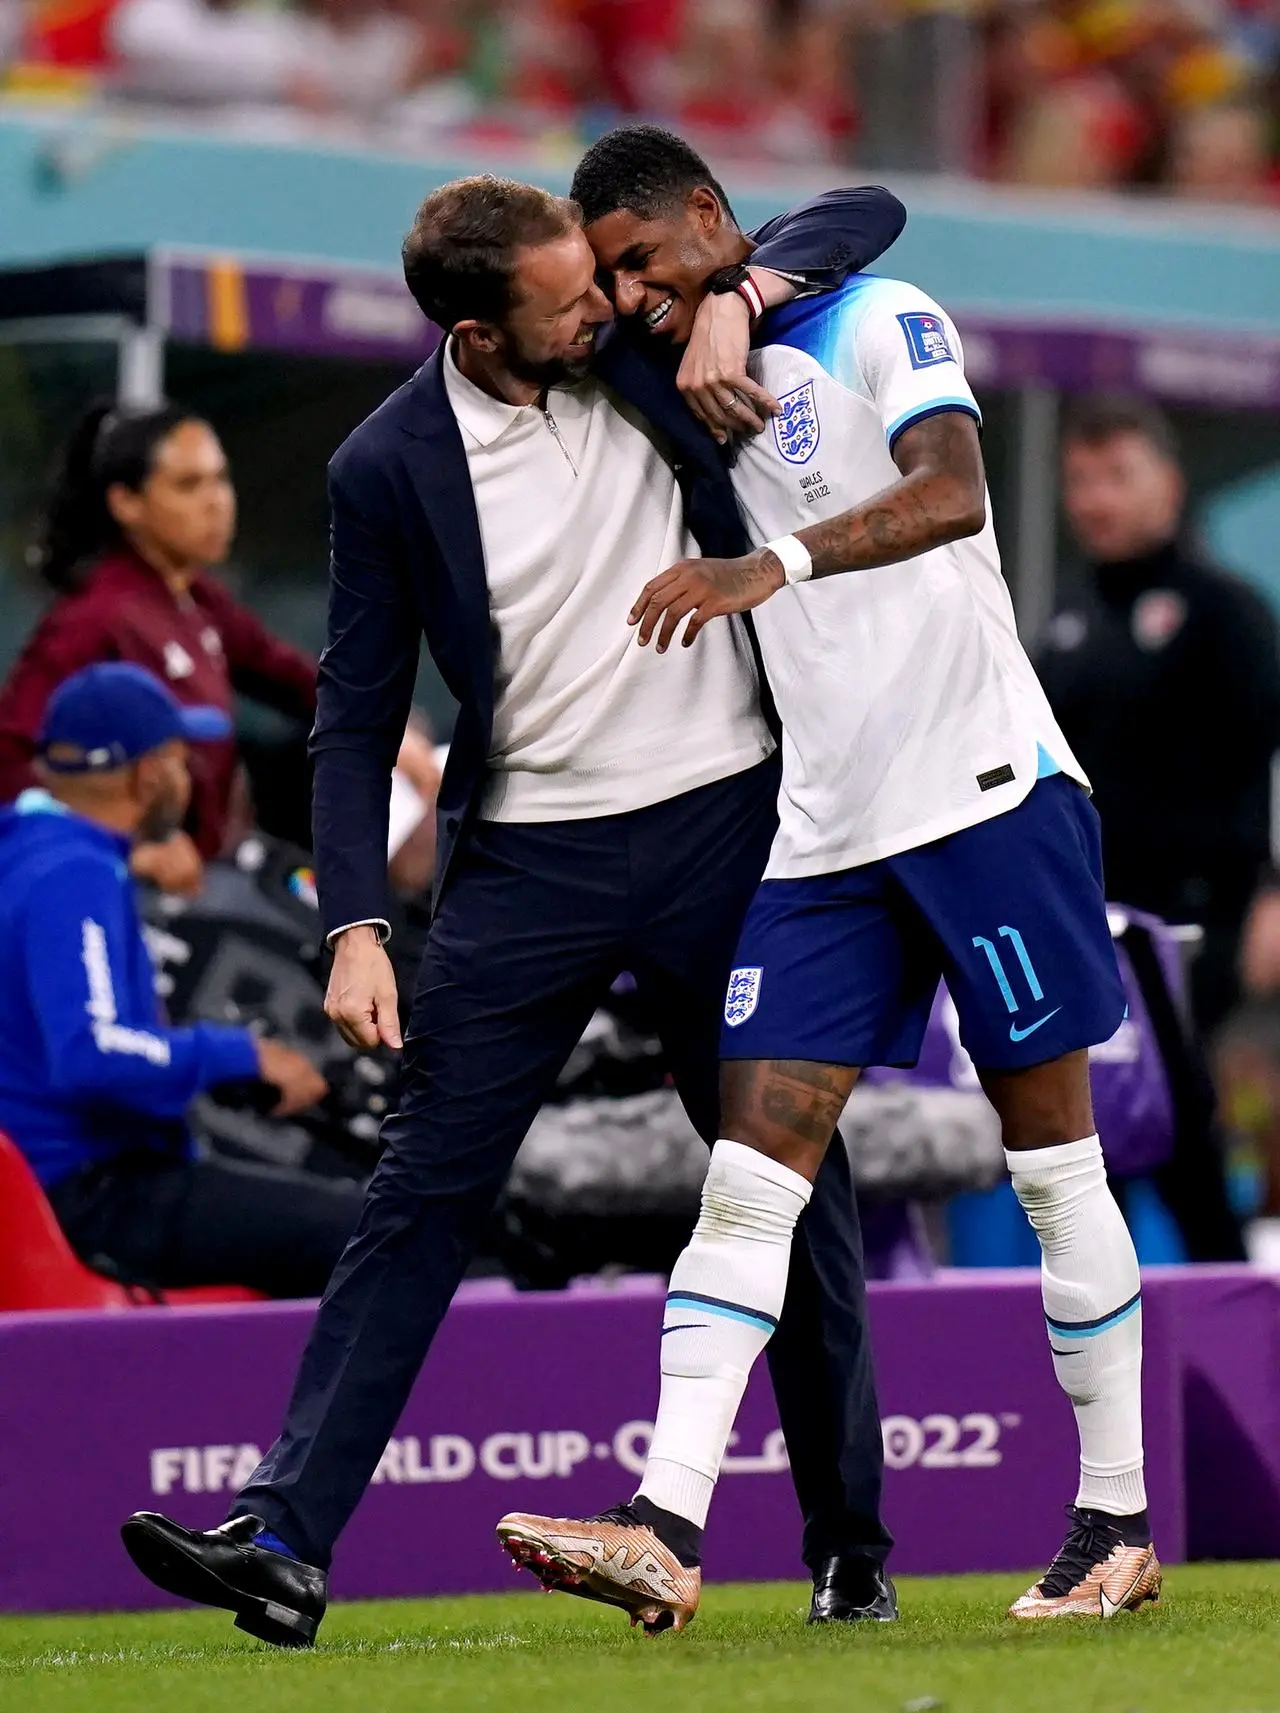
[(737, 278)]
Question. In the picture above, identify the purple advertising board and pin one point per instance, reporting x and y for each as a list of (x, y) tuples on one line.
[(238, 303), (545, 1402)]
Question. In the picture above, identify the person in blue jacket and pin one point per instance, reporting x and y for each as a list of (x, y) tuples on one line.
[(94, 1087)]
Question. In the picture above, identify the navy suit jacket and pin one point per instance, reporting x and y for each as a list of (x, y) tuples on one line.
[(407, 561)]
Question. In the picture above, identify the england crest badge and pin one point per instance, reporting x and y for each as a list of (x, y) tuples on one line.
[(743, 995), (795, 428)]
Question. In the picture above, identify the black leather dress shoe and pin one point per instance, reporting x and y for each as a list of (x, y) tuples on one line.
[(852, 1591), (273, 1597)]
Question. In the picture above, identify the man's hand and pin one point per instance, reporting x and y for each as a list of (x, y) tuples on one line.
[(713, 372), (704, 589), (361, 998), (299, 1082), (172, 864)]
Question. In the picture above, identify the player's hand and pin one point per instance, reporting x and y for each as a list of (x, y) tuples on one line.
[(713, 372), (361, 997), (299, 1082), (704, 589), (172, 864)]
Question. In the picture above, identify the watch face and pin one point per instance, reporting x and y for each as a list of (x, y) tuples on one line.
[(728, 279)]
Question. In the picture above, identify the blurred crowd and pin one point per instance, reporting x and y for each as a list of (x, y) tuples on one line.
[(1179, 94)]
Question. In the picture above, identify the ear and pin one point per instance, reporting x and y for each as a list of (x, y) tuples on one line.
[(477, 335), (707, 210), (142, 779), (124, 505)]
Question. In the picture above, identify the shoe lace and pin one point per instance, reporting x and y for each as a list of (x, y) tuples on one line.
[(1090, 1540), (623, 1514)]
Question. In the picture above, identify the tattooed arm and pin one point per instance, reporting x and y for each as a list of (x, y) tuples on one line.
[(941, 498)]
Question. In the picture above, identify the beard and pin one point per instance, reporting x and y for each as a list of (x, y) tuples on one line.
[(549, 371), (163, 817)]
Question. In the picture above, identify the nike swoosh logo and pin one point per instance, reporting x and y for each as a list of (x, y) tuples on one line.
[(1110, 1607), (686, 1326), (1016, 1034)]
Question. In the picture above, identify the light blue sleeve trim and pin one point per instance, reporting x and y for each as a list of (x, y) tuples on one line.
[(930, 407)]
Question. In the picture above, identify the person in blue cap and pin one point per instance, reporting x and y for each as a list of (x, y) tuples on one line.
[(94, 1086)]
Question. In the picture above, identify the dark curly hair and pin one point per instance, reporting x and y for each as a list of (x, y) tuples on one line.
[(643, 169)]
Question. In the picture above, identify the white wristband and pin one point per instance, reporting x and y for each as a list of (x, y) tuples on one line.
[(797, 566)]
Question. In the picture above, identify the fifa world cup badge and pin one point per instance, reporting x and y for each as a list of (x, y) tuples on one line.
[(926, 339), (743, 995)]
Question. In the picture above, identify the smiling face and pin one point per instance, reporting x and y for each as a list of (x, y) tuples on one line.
[(658, 267), (548, 335)]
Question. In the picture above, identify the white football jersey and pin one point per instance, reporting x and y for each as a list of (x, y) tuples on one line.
[(909, 707)]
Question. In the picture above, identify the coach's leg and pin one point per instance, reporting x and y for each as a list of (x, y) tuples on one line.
[(823, 1372), (1089, 1270), (514, 967)]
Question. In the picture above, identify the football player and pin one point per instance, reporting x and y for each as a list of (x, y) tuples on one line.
[(933, 823)]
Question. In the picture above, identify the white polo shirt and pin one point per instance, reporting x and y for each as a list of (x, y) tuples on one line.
[(578, 509), (909, 707)]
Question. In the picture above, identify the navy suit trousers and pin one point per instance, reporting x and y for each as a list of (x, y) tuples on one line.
[(535, 924)]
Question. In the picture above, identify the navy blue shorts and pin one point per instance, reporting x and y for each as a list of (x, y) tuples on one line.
[(843, 968)]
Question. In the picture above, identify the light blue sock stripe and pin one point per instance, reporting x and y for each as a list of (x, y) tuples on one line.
[(699, 1305), (1067, 1331)]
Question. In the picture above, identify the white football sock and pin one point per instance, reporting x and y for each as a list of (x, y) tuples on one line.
[(723, 1303), (1093, 1307)]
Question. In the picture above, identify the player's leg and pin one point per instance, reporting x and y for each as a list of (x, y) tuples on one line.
[(1093, 1315), (523, 946), (818, 990), (724, 1300), (1019, 905), (820, 1355)]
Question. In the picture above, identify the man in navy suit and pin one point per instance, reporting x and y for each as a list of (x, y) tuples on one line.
[(597, 814)]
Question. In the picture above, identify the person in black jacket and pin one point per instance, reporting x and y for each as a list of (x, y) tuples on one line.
[(1164, 674), (593, 817)]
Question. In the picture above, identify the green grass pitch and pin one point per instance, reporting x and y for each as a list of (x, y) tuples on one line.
[(1212, 1646)]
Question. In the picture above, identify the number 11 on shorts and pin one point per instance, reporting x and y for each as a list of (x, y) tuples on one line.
[(997, 967)]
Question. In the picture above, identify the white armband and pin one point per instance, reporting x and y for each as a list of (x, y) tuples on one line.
[(797, 566)]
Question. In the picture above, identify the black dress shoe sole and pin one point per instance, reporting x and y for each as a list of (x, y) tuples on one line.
[(177, 1570)]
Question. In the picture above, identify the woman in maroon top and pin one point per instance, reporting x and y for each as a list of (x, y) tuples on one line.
[(144, 503)]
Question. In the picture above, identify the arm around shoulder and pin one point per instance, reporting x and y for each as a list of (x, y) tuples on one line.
[(832, 235)]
